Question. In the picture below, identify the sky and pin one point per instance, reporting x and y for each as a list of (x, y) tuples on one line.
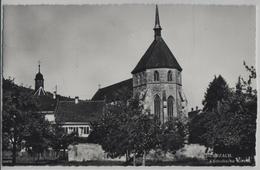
[(82, 46)]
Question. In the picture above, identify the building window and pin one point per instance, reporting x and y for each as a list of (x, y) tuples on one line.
[(156, 76), (157, 106), (84, 130), (169, 76), (170, 102), (87, 130)]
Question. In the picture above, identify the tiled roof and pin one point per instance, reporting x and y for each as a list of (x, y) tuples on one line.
[(158, 55), (84, 111), (118, 91), (46, 102)]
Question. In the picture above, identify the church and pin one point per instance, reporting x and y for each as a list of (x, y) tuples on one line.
[(156, 77)]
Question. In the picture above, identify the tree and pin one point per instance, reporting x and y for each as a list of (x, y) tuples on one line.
[(16, 105), (60, 140), (230, 128), (172, 135), (21, 122), (36, 133), (111, 132), (126, 129), (123, 129), (217, 91), (144, 133)]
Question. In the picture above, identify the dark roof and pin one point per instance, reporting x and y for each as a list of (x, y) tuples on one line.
[(84, 111), (39, 76), (46, 102), (158, 55), (115, 92)]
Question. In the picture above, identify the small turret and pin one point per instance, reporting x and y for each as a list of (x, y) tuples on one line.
[(39, 82)]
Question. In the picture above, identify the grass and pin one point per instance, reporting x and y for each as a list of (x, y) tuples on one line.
[(186, 162)]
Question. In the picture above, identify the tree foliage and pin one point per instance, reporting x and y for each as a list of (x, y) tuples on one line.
[(21, 122), (127, 129), (217, 91), (231, 127), (172, 135), (24, 127)]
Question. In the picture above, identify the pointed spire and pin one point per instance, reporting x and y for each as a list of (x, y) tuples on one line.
[(157, 27), (39, 66)]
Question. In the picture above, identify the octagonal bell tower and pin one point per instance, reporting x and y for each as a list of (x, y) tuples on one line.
[(157, 76)]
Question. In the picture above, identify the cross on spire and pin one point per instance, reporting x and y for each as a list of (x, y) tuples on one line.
[(39, 66), (157, 27)]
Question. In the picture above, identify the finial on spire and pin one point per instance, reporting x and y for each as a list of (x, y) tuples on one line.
[(39, 66), (157, 27)]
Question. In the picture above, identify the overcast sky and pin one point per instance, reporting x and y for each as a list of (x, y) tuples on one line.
[(83, 46)]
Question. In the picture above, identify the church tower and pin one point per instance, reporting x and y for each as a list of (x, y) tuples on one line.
[(158, 76), (39, 83)]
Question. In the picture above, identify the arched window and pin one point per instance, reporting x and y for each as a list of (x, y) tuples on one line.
[(157, 106), (169, 76), (156, 76), (170, 102)]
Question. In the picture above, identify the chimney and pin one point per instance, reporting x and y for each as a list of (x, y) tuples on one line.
[(192, 109), (197, 108), (76, 99)]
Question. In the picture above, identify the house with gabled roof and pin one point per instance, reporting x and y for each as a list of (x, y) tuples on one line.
[(73, 115), (76, 116)]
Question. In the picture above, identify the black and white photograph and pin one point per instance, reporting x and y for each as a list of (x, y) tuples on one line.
[(131, 84)]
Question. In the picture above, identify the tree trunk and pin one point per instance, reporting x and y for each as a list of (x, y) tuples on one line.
[(64, 154), (127, 156), (144, 157), (134, 163), (38, 157), (14, 149), (14, 152), (252, 160)]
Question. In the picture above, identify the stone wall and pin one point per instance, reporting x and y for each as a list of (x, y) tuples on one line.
[(85, 152)]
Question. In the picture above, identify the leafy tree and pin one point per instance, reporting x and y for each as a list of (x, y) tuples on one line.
[(122, 130), (217, 91), (16, 105), (126, 129), (172, 135), (36, 133), (239, 113), (231, 127), (111, 132), (60, 140), (143, 135), (21, 122)]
